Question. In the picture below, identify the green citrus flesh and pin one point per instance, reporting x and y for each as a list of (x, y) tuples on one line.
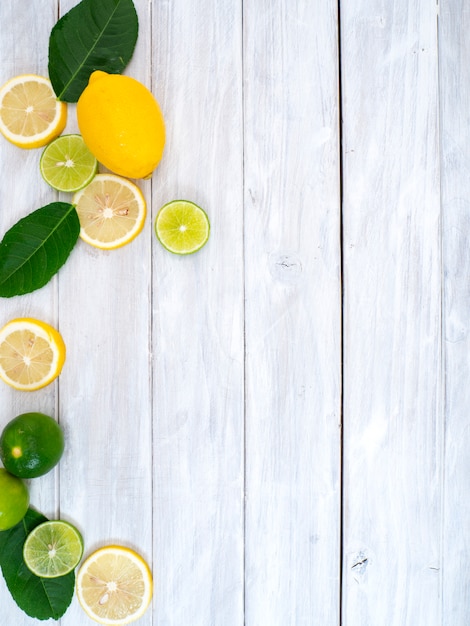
[(67, 165), (182, 227), (14, 500), (53, 549), (31, 444)]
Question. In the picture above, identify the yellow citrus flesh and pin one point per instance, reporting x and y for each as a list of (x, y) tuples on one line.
[(32, 354), (114, 585), (122, 124), (111, 210), (30, 114)]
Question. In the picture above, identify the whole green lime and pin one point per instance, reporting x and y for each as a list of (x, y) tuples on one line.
[(31, 445), (14, 500)]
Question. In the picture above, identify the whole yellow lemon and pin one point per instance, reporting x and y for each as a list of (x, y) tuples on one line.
[(122, 124)]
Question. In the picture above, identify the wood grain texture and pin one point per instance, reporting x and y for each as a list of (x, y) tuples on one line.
[(105, 388), (292, 277), (454, 49), (23, 49), (197, 305), (392, 314), (278, 423)]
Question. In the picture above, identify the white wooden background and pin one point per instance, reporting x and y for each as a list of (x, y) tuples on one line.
[(279, 423)]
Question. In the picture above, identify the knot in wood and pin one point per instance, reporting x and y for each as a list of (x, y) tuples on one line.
[(285, 266)]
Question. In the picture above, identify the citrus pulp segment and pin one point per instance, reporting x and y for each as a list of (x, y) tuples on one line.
[(111, 210), (182, 227), (52, 549), (67, 165), (114, 585), (14, 500), (31, 444), (32, 354), (30, 114)]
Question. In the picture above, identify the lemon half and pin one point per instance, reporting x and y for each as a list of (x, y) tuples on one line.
[(32, 354), (30, 114), (111, 210), (114, 585)]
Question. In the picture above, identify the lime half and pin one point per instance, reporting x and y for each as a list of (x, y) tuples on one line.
[(67, 165), (53, 549), (182, 227)]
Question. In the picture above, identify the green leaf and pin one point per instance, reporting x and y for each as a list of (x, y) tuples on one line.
[(42, 598), (36, 247), (94, 35)]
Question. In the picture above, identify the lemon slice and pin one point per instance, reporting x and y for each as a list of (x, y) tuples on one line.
[(114, 585), (32, 354), (111, 210), (52, 549), (30, 114), (182, 227), (67, 165)]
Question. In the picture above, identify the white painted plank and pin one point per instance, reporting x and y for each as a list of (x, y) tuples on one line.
[(293, 334), (392, 322), (454, 50), (198, 320), (105, 387), (23, 49)]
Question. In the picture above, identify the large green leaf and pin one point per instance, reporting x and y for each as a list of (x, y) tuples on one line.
[(42, 598), (36, 247), (94, 35)]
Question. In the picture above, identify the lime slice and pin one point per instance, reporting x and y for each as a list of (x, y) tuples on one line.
[(53, 549), (182, 227), (67, 165)]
